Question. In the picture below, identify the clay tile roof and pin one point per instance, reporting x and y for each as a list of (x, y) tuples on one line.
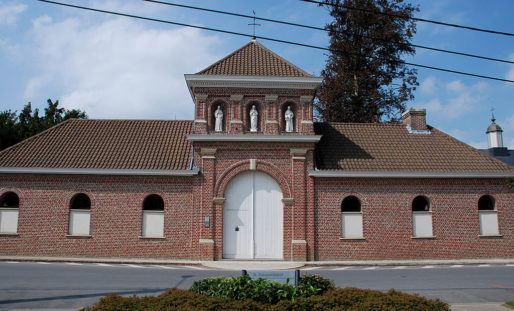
[(105, 144), (390, 147), (254, 59)]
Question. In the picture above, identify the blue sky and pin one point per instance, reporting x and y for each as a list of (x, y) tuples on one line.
[(115, 67)]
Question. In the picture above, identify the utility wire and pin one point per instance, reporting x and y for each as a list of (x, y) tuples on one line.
[(263, 38), (416, 19), (324, 29)]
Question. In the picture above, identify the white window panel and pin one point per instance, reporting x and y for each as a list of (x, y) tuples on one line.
[(8, 220), (153, 224), (79, 222), (488, 222), (352, 225), (422, 224)]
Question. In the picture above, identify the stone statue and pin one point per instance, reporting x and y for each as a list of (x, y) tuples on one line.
[(253, 119), (289, 116), (218, 126)]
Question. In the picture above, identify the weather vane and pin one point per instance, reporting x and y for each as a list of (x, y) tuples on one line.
[(492, 114), (254, 24)]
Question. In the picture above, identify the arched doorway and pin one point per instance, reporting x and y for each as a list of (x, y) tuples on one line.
[(253, 217)]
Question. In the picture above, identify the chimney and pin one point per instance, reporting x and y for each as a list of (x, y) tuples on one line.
[(415, 119)]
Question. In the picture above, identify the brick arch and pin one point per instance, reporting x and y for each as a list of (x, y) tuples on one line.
[(18, 192), (262, 166)]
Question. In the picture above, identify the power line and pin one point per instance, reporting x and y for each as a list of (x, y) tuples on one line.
[(417, 19), (260, 37), (323, 29)]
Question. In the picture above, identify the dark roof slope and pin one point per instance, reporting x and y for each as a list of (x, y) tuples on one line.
[(253, 59), (390, 147), (105, 144)]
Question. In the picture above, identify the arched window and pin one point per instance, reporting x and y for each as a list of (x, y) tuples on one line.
[(421, 217), (9, 211), (153, 217), (351, 218), (80, 215), (488, 216)]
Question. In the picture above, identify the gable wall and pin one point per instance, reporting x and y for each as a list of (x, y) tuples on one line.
[(116, 216), (387, 219)]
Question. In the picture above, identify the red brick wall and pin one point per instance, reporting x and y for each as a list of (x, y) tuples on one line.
[(387, 219), (116, 216)]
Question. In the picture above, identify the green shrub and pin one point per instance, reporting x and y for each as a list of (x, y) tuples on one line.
[(348, 299), (243, 287), (355, 299)]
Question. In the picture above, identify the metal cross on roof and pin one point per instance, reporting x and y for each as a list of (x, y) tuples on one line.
[(254, 24)]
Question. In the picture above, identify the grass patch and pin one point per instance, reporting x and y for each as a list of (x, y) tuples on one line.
[(510, 304)]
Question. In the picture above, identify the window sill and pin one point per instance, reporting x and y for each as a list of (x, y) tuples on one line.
[(485, 236), (432, 237), (152, 237), (79, 236), (9, 234), (353, 239)]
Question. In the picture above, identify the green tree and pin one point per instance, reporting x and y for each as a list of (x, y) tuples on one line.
[(28, 123), (365, 79)]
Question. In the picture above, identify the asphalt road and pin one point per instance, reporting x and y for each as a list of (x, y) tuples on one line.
[(71, 286)]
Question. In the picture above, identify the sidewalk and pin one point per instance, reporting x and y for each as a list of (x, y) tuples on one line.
[(262, 264), (480, 307)]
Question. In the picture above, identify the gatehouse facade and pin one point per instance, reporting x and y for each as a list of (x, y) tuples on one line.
[(253, 177)]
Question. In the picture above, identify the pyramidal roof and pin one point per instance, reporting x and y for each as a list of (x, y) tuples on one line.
[(254, 59)]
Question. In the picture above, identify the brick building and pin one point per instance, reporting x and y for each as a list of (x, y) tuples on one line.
[(253, 177)]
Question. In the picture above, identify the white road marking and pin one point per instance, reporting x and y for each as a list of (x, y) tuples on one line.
[(43, 263), (427, 267), (457, 266), (370, 268), (74, 264), (103, 265), (133, 266), (399, 267), (485, 265), (310, 268), (12, 261), (342, 268), (510, 265), (165, 267)]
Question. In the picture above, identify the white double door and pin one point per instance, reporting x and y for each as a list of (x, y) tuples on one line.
[(253, 218)]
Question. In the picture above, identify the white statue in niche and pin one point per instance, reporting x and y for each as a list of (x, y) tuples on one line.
[(218, 126), (289, 116), (253, 119)]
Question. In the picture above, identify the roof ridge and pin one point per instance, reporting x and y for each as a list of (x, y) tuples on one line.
[(24, 141), (290, 67), (281, 58), (363, 123), (476, 151), (224, 58), (149, 120)]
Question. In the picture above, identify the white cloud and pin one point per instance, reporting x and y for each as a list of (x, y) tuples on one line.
[(428, 86), (119, 68), (9, 13), (510, 73), (507, 124)]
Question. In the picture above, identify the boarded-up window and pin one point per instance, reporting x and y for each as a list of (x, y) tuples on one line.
[(488, 216), (351, 218), (80, 215), (153, 216), (421, 217), (9, 210)]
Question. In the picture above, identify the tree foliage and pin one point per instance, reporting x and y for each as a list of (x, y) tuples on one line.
[(365, 79), (15, 128)]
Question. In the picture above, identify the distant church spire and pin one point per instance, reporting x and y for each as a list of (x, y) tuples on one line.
[(494, 134)]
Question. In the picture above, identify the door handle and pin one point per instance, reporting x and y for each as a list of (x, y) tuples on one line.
[(237, 228)]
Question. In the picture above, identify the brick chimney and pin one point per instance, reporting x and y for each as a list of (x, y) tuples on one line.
[(415, 119)]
